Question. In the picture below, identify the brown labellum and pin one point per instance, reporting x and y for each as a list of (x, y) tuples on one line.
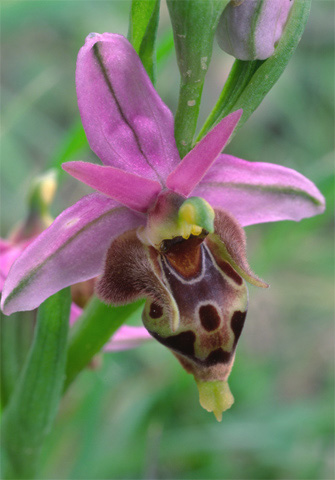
[(196, 298)]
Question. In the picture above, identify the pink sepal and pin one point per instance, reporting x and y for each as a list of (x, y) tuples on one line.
[(257, 192), (71, 250), (127, 124)]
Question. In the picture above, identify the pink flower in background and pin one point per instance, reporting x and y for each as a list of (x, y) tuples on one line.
[(9, 252), (162, 228)]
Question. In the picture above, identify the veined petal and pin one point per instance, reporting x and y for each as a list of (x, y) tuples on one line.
[(71, 250), (126, 338), (126, 123), (196, 163), (256, 192), (135, 192)]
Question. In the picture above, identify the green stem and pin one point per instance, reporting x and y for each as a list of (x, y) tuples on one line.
[(95, 327), (187, 115), (239, 77)]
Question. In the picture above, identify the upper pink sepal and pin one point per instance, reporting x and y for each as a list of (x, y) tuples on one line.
[(135, 192), (71, 250), (126, 123), (257, 192), (195, 164)]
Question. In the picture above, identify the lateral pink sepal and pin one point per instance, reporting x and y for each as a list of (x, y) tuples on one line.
[(257, 192), (71, 250)]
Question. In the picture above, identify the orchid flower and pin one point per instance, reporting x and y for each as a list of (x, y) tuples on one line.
[(158, 227)]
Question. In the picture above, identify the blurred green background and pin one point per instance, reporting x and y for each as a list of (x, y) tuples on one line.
[(138, 415)]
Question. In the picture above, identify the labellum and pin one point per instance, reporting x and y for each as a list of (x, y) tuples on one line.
[(189, 262)]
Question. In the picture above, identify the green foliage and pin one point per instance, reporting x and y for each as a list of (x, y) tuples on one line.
[(143, 25), (193, 24), (92, 331), (34, 403), (73, 144), (15, 338)]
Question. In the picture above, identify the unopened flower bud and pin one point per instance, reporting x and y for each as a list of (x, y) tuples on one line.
[(41, 194), (43, 189), (251, 29)]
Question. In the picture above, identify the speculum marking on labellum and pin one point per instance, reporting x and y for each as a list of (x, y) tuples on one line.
[(165, 229)]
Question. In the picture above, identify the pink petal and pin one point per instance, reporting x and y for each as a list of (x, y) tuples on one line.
[(126, 123), (196, 163), (126, 338), (135, 192), (256, 192), (75, 313), (71, 250), (8, 254)]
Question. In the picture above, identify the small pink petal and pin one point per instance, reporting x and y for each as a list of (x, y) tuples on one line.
[(196, 163), (71, 250), (134, 192), (75, 313), (256, 192), (126, 338), (126, 123), (9, 252)]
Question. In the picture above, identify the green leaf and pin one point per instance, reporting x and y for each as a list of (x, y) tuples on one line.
[(72, 145), (194, 23), (33, 406), (143, 25), (249, 82), (92, 331), (15, 339)]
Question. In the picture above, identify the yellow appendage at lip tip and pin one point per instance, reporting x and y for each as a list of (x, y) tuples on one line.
[(215, 397)]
